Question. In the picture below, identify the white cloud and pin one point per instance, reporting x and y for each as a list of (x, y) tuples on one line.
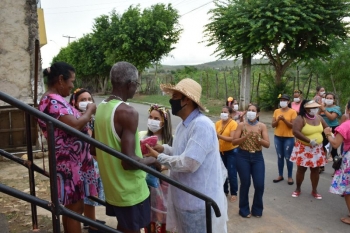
[(75, 18)]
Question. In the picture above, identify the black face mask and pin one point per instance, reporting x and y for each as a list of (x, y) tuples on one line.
[(175, 106)]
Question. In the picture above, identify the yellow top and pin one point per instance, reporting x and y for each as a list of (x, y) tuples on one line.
[(312, 132), (282, 130), (225, 130)]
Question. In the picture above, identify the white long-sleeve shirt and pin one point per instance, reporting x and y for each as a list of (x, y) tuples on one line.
[(194, 160)]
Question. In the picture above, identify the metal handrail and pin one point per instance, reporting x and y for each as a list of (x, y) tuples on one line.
[(51, 123)]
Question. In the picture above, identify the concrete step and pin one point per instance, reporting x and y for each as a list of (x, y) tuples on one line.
[(3, 224)]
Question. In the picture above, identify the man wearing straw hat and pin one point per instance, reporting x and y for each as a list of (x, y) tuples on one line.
[(193, 160)]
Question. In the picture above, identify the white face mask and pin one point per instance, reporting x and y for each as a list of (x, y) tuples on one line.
[(153, 125), (83, 105), (283, 104), (251, 115), (322, 92), (297, 100), (235, 107), (313, 111), (328, 102), (224, 116)]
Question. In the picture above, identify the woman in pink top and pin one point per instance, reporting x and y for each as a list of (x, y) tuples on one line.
[(297, 100), (341, 180), (76, 176)]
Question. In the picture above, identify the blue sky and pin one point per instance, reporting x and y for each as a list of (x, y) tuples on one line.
[(75, 18)]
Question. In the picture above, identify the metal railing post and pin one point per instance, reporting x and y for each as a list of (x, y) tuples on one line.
[(53, 177), (30, 170), (208, 216)]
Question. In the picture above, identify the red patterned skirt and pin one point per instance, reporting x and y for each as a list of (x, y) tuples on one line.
[(308, 156)]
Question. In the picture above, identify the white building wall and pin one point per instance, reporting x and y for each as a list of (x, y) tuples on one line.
[(18, 32)]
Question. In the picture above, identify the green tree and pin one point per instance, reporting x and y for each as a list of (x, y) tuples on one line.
[(284, 31), (333, 71), (88, 59), (140, 37)]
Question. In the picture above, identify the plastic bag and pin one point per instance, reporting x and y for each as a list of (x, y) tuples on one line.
[(152, 180), (151, 141)]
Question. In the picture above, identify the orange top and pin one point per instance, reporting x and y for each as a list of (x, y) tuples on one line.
[(225, 130), (282, 130)]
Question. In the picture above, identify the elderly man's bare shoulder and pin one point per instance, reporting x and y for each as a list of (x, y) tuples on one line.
[(127, 110)]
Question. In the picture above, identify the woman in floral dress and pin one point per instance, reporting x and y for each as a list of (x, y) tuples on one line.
[(76, 177), (308, 151), (341, 180)]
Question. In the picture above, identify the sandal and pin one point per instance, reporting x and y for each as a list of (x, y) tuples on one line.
[(233, 198), (345, 220), (296, 194), (316, 195)]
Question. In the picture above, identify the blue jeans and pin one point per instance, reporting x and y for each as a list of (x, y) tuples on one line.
[(284, 147), (251, 165), (229, 160)]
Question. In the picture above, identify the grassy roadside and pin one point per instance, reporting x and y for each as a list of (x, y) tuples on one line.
[(213, 105)]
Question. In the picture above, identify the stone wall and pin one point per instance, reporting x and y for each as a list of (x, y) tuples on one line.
[(18, 32)]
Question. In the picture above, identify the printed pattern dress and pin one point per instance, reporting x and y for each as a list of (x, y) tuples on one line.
[(76, 175), (341, 180), (101, 193)]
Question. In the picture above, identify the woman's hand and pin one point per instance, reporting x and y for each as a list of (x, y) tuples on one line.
[(91, 107), (322, 108), (152, 153), (327, 130)]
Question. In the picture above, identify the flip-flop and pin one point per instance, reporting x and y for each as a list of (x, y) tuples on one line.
[(316, 195), (345, 220), (233, 198), (276, 181), (296, 194)]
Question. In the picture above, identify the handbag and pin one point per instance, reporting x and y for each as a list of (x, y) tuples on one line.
[(337, 162)]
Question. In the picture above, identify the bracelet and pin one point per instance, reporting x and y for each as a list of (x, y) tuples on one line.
[(328, 134)]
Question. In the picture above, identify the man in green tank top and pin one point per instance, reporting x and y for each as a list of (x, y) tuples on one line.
[(127, 194)]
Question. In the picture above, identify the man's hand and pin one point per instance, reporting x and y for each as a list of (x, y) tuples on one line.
[(152, 152), (158, 148)]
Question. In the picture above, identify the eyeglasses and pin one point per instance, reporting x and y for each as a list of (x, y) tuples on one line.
[(136, 82)]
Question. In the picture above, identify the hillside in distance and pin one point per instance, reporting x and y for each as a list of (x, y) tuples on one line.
[(219, 64)]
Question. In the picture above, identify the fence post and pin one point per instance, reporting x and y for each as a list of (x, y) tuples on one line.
[(225, 85), (217, 85)]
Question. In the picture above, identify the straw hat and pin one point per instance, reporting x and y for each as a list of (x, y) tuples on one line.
[(311, 104), (187, 87)]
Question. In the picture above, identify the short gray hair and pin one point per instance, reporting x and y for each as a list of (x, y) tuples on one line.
[(123, 72)]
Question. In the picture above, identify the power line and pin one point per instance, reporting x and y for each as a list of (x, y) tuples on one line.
[(69, 38), (106, 3), (122, 5), (196, 8)]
